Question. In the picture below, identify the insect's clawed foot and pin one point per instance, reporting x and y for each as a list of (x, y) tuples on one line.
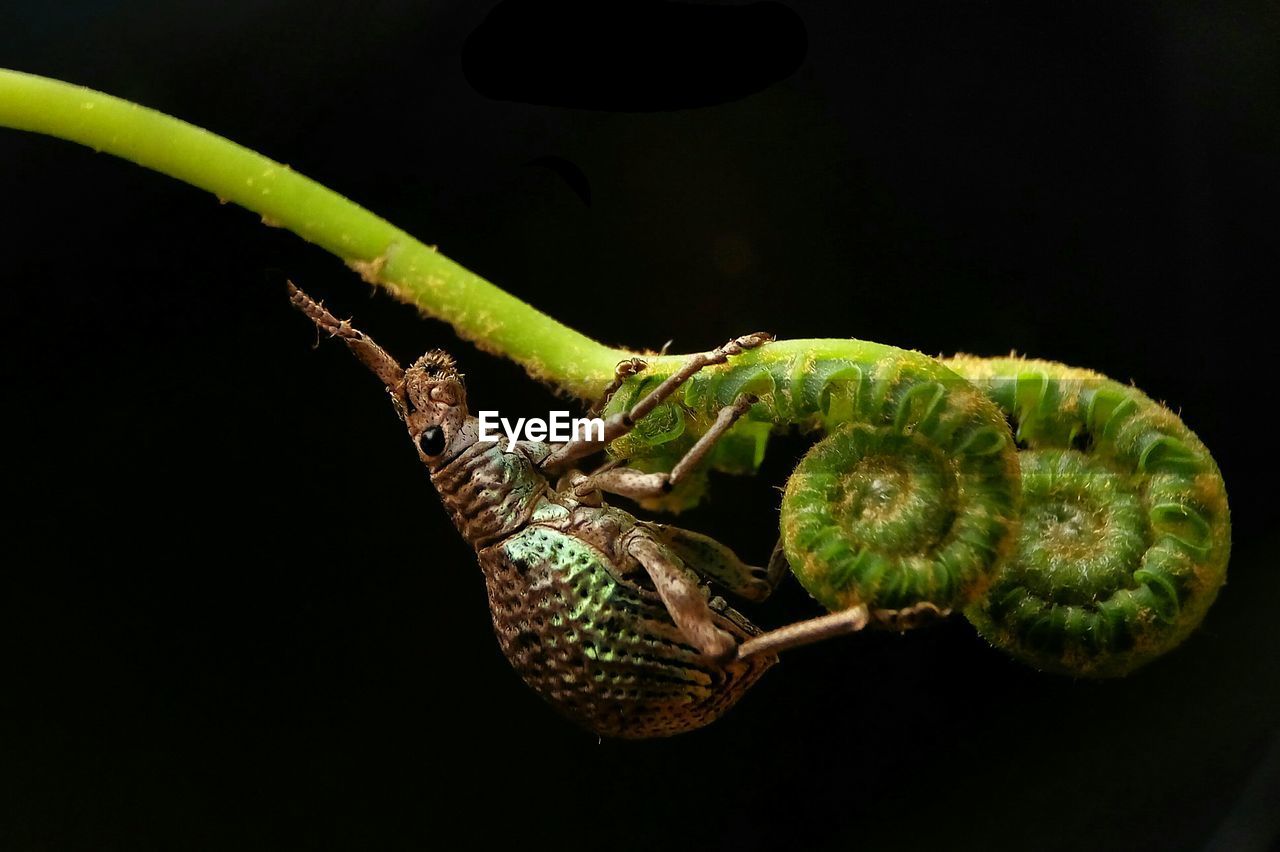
[(747, 341), (629, 367), (368, 352), (737, 346), (314, 310), (623, 371), (758, 588), (909, 617), (721, 647)]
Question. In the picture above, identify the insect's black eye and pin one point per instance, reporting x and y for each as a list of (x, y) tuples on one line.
[(431, 441)]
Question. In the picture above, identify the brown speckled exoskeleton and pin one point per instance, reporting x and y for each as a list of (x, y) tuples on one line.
[(609, 618)]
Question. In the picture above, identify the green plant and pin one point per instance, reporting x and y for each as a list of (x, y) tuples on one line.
[(912, 497)]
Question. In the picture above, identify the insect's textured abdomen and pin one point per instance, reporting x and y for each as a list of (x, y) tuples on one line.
[(604, 653), (1126, 531)]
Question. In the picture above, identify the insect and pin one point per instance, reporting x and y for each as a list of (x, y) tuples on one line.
[(608, 617)]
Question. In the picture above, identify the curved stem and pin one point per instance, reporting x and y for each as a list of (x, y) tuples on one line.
[(383, 254)]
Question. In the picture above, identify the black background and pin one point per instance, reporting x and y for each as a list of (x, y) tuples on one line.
[(232, 614)]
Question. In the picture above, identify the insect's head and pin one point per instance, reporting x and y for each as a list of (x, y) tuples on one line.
[(429, 396), (433, 403)]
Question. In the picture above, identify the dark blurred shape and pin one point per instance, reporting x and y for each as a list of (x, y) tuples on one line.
[(1253, 825), (631, 55), (569, 172)]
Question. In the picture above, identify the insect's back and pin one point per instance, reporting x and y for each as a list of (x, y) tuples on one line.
[(602, 650)]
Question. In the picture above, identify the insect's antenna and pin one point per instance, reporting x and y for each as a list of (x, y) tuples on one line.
[(370, 354)]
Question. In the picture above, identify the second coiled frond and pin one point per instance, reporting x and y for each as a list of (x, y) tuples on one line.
[(1126, 530)]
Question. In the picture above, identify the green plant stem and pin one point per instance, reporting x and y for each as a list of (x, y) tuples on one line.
[(382, 253)]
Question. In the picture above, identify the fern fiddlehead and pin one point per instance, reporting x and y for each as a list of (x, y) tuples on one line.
[(1124, 527), (1126, 530), (910, 499)]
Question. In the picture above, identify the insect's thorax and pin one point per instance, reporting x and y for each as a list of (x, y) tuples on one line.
[(490, 492)]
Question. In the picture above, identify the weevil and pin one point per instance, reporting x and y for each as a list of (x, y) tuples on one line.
[(611, 619)]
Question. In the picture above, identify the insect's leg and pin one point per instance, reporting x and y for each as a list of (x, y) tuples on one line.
[(778, 567), (806, 632), (709, 558), (370, 354), (620, 424), (625, 370), (629, 482), (683, 597)]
